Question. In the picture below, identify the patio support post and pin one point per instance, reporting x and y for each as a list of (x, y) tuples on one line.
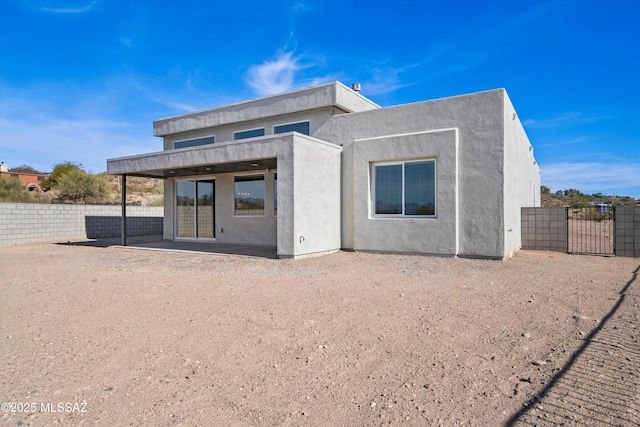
[(124, 211)]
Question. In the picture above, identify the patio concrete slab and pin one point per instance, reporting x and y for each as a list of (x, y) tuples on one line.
[(156, 243), (256, 251)]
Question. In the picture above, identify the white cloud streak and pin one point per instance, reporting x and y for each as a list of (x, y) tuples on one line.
[(384, 80), (571, 141), (62, 7), (281, 74), (274, 76), (594, 177), (569, 119), (40, 133)]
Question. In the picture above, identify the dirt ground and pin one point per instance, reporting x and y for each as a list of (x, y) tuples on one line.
[(122, 337)]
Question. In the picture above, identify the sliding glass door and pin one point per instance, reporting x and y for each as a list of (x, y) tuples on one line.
[(205, 214), (195, 209)]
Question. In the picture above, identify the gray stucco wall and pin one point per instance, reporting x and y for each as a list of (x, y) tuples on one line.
[(347, 198), (521, 177), (169, 208), (259, 230), (479, 119), (225, 133), (316, 180), (22, 223), (436, 235)]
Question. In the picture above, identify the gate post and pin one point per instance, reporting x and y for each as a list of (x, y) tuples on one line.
[(613, 218), (124, 211), (566, 229)]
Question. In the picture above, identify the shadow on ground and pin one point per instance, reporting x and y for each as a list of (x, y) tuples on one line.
[(600, 384), (155, 243)]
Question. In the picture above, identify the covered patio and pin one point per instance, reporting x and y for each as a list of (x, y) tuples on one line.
[(301, 218)]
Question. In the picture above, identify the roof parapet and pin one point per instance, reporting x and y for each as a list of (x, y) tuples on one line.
[(328, 95)]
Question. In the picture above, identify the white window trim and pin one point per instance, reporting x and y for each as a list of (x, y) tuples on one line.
[(264, 183), (249, 130), (372, 195), (273, 129), (191, 139)]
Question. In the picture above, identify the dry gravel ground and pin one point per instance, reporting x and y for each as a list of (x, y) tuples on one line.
[(350, 339)]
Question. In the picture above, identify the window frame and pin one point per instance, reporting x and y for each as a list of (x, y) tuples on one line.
[(274, 180), (273, 130), (195, 180), (372, 196), (264, 199), (249, 130), (194, 139)]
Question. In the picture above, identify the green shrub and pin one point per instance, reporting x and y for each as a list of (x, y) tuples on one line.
[(12, 191), (59, 171), (79, 186)]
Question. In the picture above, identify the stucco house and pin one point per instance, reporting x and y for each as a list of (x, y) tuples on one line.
[(324, 168), (31, 180)]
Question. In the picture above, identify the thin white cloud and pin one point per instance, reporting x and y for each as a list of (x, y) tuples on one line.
[(40, 133), (571, 141), (299, 6), (275, 75), (184, 96), (594, 177), (572, 118), (384, 80), (175, 104), (86, 139), (282, 74), (61, 6)]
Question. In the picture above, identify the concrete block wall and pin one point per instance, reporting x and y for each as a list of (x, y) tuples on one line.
[(22, 223), (544, 229), (628, 231)]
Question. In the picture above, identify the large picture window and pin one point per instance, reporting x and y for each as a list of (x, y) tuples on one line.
[(404, 189), (249, 195)]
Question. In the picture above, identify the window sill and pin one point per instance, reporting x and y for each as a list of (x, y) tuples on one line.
[(403, 217)]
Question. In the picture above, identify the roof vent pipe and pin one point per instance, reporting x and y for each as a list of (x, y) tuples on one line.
[(356, 87)]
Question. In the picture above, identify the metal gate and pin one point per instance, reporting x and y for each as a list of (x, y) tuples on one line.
[(591, 230)]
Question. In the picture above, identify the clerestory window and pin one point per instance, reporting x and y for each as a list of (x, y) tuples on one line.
[(194, 142), (300, 127)]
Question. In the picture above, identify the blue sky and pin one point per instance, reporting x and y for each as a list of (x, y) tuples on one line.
[(83, 80)]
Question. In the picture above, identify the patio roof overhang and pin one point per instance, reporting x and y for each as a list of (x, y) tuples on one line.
[(256, 154), (211, 169)]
